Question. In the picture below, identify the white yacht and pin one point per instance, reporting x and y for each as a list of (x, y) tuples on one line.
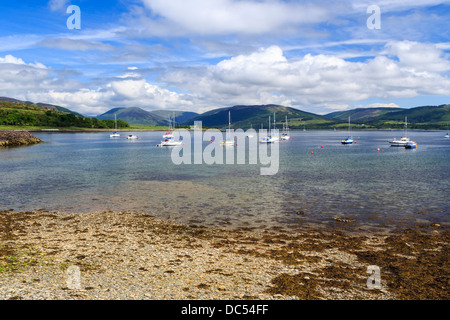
[(403, 141)]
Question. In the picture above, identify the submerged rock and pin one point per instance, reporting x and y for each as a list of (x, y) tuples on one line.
[(17, 138)]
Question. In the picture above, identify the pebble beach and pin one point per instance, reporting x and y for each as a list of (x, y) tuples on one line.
[(131, 256)]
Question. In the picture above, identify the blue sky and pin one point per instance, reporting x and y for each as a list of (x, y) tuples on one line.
[(197, 55)]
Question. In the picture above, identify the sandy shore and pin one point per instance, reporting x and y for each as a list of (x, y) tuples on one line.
[(135, 256)]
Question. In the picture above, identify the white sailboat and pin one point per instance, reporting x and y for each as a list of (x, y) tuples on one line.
[(269, 138), (228, 141), (250, 135), (285, 134), (169, 133), (115, 134), (169, 138), (447, 136), (403, 140), (349, 139)]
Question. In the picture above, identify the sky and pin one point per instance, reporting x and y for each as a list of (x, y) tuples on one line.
[(198, 55)]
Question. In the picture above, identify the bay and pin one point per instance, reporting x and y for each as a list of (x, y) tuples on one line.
[(320, 182)]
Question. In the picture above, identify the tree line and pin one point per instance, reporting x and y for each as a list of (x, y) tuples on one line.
[(55, 119)]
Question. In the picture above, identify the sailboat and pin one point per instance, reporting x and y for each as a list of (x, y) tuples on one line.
[(251, 128), (169, 133), (447, 136), (403, 140), (115, 134), (228, 141), (269, 138), (285, 134), (349, 139), (169, 138)]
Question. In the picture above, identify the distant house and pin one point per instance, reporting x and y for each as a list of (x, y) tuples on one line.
[(195, 127)]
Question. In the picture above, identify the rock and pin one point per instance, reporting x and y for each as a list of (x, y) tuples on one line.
[(17, 138)]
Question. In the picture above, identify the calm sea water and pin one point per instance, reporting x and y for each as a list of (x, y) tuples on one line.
[(89, 172)]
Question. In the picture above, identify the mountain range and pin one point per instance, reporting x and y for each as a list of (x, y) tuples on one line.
[(257, 116)]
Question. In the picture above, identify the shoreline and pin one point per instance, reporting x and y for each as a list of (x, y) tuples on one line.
[(123, 255)]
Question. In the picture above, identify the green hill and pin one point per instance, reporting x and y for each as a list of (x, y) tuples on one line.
[(40, 105), (258, 115), (138, 116), (361, 114), (27, 115), (134, 116), (425, 117)]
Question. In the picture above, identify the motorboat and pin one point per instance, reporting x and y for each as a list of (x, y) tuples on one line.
[(132, 137), (403, 141), (411, 145), (170, 143)]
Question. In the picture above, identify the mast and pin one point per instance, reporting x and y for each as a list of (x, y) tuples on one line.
[(406, 127), (349, 126), (269, 126)]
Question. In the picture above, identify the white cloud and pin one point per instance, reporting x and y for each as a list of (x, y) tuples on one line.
[(58, 4), (207, 17), (9, 59), (317, 81), (419, 57), (74, 45)]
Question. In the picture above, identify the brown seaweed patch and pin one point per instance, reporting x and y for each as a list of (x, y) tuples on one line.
[(299, 285)]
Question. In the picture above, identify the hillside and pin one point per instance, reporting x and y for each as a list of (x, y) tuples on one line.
[(361, 114), (33, 116), (258, 115), (40, 105), (138, 116), (425, 117), (180, 116)]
